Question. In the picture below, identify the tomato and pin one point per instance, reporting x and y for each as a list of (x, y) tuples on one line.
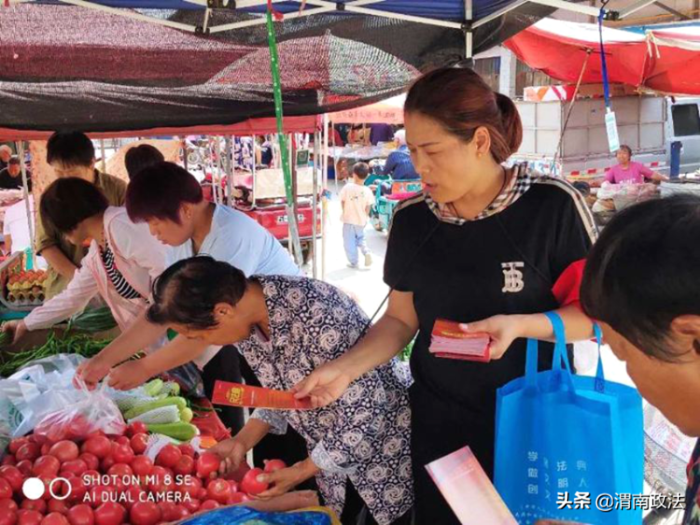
[(46, 466), (81, 515), (95, 433), (76, 466), (65, 451), (110, 514), (7, 506), (55, 518), (5, 489), (59, 506), (169, 456), (100, 446), (13, 476), (78, 487), (187, 450), (168, 511), (16, 444), (121, 470), (28, 451), (237, 497), (139, 443), (210, 504), (202, 494), (240, 473), (101, 495), (181, 512), (133, 494), (25, 467), (8, 519), (91, 460), (8, 461), (273, 465), (107, 463), (184, 466), (234, 485), (191, 486), (38, 505), (123, 454), (145, 513), (142, 465), (207, 464), (45, 449), (122, 440), (29, 517), (137, 427), (160, 480), (192, 505), (250, 484), (219, 490)]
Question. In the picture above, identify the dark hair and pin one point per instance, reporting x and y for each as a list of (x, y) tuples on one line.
[(13, 161), (70, 148), (361, 169), (627, 149), (159, 190), (187, 292), (141, 157), (68, 202), (461, 101), (642, 272)]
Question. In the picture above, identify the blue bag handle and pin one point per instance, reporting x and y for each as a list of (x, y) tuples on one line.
[(560, 354), (600, 374)]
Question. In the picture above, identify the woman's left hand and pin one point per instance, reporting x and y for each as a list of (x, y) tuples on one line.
[(128, 375), (502, 329), (284, 480)]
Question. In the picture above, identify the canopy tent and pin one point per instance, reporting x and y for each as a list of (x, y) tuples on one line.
[(388, 111), (666, 61), (100, 66)]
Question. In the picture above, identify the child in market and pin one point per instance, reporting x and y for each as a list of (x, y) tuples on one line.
[(356, 200), (641, 284)]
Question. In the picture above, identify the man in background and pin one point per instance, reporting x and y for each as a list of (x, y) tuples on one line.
[(11, 176)]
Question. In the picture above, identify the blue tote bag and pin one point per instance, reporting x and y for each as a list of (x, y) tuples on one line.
[(569, 447)]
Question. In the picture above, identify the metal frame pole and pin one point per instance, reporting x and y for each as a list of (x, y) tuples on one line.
[(25, 191)]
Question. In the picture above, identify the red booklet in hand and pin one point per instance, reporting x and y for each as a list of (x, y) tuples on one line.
[(450, 341), (238, 395)]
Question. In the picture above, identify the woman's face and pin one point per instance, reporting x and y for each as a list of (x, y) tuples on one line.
[(623, 156), (79, 234), (233, 326), (443, 161), (172, 233), (672, 387)]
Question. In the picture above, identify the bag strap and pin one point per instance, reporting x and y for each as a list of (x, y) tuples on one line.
[(560, 352), (600, 373)]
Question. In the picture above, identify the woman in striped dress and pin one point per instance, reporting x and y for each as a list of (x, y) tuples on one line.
[(122, 262)]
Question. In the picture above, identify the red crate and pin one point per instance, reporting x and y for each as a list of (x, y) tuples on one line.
[(275, 220)]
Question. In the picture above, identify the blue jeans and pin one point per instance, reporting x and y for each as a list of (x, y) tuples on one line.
[(354, 238)]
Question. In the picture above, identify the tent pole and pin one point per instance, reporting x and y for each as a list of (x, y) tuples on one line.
[(229, 172), (498, 14), (324, 198), (314, 203), (25, 193), (468, 31)]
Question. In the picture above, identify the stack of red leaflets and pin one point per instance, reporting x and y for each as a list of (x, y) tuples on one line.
[(450, 341)]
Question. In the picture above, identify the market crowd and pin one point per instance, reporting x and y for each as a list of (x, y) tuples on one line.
[(489, 245)]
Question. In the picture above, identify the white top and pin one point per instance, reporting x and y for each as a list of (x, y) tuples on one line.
[(17, 227), (238, 240)]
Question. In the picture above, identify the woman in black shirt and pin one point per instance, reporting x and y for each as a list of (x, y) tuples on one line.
[(485, 245)]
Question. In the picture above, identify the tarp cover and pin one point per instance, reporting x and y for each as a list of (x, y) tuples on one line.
[(68, 67), (664, 60)]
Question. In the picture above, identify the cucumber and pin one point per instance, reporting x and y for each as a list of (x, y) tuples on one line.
[(142, 408), (181, 431)]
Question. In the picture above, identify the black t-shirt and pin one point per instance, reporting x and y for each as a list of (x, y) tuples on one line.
[(506, 263), (8, 182)]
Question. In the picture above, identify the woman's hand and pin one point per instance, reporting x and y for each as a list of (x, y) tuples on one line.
[(502, 329), (92, 371), (324, 385), (16, 329), (232, 452), (286, 479), (129, 375)]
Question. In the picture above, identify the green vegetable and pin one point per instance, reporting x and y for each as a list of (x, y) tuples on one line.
[(182, 431), (169, 414), (186, 415), (93, 320), (406, 352), (142, 408), (153, 388), (80, 344), (5, 339), (171, 388)]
